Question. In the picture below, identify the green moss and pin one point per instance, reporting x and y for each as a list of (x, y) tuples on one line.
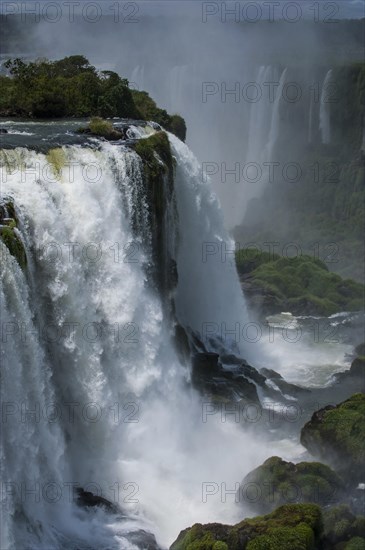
[(296, 526), (298, 284), (282, 482), (104, 128), (14, 245), (56, 158), (356, 543), (338, 434)]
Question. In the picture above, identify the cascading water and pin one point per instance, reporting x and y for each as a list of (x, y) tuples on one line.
[(89, 348), (275, 121), (324, 110), (264, 128)]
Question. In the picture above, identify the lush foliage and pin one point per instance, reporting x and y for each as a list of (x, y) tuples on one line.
[(298, 284), (71, 87)]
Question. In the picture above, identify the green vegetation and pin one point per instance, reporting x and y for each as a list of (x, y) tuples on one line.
[(56, 158), (102, 128), (149, 111), (9, 235), (298, 285), (337, 434), (291, 526), (340, 524), (281, 482), (71, 87)]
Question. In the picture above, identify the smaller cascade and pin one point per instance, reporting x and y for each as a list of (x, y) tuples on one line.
[(275, 121), (324, 110), (137, 79), (310, 123)]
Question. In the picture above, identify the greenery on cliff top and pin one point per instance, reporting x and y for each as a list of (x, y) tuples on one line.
[(300, 283), (71, 87)]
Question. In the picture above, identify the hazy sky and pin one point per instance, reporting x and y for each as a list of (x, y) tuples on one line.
[(343, 8)]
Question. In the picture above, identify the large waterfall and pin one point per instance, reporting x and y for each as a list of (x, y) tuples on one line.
[(94, 393)]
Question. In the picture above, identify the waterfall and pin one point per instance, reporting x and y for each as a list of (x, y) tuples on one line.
[(324, 110), (137, 79), (310, 119), (89, 348), (275, 120), (261, 116), (264, 127), (177, 83)]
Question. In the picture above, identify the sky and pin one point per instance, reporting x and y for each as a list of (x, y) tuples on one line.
[(343, 9)]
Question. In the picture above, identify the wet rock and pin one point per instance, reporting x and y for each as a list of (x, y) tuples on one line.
[(3, 131), (87, 499), (336, 434), (278, 482)]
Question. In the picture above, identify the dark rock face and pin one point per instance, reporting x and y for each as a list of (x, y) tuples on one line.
[(356, 373), (143, 540), (218, 383), (337, 435), (3, 131), (284, 387), (277, 482), (88, 499)]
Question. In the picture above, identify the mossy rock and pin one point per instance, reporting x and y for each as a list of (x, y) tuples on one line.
[(102, 128), (277, 482), (9, 233), (340, 525), (297, 526), (301, 285), (337, 435), (356, 543), (57, 159)]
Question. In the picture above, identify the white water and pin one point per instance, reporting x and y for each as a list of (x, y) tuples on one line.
[(324, 110), (96, 337)]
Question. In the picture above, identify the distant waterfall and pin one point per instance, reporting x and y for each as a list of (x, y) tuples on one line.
[(310, 120), (88, 333), (261, 116), (275, 121), (324, 111), (137, 80), (177, 83)]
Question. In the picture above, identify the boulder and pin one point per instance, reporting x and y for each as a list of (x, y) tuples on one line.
[(290, 527), (336, 434), (277, 482)]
